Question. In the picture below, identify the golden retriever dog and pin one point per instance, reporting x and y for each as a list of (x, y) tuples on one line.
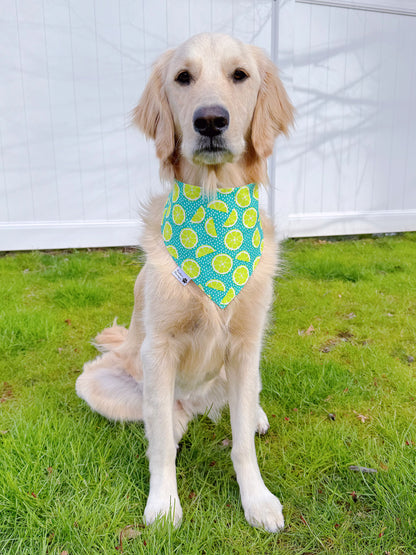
[(214, 107)]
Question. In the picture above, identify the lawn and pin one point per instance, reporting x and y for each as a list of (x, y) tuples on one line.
[(339, 387)]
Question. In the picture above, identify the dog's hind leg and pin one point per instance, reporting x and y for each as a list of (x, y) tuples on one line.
[(109, 389), (112, 384)]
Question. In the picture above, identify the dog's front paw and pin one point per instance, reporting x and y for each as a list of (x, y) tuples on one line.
[(166, 509), (264, 510)]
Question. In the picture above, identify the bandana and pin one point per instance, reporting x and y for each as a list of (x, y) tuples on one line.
[(217, 242)]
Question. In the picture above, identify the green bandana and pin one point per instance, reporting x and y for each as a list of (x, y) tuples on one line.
[(216, 243)]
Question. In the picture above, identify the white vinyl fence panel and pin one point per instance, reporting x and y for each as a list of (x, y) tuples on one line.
[(73, 171), (350, 166)]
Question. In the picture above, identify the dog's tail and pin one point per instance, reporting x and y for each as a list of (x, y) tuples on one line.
[(111, 384), (110, 338)]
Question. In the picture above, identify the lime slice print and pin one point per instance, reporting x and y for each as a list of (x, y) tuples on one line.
[(188, 238), (226, 191), (241, 275), (249, 217), (166, 211), (198, 216), (191, 268), (210, 227), (242, 198), (256, 192), (229, 296), (232, 218), (256, 239), (262, 246), (218, 205), (175, 192), (256, 262), (178, 214), (167, 231), (222, 263), (243, 255), (191, 192), (215, 284), (172, 251), (203, 250), (233, 239)]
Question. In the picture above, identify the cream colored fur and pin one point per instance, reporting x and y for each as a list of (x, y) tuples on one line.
[(182, 355)]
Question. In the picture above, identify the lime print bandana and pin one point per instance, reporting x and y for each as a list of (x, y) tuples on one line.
[(217, 242)]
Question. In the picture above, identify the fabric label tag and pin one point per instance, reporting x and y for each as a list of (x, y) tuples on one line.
[(181, 276)]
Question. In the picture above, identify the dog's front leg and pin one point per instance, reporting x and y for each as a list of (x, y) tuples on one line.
[(261, 507), (159, 371)]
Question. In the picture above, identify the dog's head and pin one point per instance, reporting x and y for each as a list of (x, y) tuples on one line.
[(212, 100)]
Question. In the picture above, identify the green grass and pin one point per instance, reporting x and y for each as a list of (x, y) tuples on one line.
[(340, 342)]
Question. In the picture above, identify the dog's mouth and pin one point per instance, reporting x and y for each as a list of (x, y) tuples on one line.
[(212, 150)]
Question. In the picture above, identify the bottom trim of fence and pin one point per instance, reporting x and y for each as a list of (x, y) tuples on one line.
[(120, 233), (63, 235), (349, 223)]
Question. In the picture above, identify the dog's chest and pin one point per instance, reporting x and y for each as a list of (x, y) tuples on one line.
[(203, 351)]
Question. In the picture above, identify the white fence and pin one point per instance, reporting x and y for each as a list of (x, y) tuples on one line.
[(72, 170), (351, 165)]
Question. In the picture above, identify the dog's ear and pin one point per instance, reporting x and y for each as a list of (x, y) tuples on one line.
[(153, 115), (274, 113)]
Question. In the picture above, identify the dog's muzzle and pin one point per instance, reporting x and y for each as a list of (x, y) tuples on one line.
[(210, 122)]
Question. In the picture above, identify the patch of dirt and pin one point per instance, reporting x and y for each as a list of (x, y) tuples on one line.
[(331, 343), (6, 392)]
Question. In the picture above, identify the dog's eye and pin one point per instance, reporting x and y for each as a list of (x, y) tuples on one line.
[(183, 78), (239, 75)]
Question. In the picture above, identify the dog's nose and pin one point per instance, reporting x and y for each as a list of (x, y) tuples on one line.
[(211, 120)]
